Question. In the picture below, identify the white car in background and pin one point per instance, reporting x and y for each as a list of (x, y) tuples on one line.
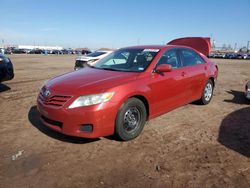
[(90, 59), (248, 90)]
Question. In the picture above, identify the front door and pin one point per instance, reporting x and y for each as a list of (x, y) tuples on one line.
[(168, 88)]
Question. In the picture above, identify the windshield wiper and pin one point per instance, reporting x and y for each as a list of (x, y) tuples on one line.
[(105, 68)]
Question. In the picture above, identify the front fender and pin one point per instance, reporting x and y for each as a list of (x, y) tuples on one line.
[(124, 92)]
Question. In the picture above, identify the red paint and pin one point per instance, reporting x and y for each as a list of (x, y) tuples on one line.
[(163, 91), (201, 44)]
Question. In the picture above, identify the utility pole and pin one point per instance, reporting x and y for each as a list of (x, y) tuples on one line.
[(248, 44)]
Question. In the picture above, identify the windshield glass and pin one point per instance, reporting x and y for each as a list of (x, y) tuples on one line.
[(95, 54), (129, 60)]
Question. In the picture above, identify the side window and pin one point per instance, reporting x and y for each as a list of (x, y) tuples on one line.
[(170, 57), (190, 58)]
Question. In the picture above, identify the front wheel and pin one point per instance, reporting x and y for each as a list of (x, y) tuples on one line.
[(130, 119), (207, 93)]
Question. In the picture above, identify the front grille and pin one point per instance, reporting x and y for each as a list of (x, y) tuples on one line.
[(52, 122), (56, 100)]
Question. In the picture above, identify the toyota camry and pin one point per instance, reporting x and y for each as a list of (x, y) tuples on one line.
[(122, 91)]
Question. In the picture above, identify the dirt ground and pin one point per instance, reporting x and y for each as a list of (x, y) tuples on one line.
[(192, 146)]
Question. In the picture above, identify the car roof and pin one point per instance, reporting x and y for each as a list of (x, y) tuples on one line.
[(147, 47), (156, 47)]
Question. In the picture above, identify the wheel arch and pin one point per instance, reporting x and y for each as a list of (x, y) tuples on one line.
[(212, 79), (145, 102)]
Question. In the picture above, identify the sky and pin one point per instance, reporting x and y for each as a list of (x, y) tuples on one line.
[(115, 24)]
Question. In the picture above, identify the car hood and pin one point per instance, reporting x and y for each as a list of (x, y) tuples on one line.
[(89, 81)]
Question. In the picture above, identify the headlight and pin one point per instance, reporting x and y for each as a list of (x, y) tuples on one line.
[(89, 100)]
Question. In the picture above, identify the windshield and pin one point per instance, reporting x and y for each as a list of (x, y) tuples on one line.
[(129, 60), (96, 54)]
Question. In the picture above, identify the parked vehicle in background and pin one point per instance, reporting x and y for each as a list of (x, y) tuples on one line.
[(247, 56), (239, 56), (20, 51), (120, 92), (219, 55), (211, 55), (37, 51), (8, 51), (6, 69), (2, 51), (58, 52), (85, 52), (68, 51), (247, 92), (230, 56), (90, 59)]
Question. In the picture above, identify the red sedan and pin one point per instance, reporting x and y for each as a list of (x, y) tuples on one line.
[(124, 90)]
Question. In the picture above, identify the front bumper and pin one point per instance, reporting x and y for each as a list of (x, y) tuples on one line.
[(71, 121)]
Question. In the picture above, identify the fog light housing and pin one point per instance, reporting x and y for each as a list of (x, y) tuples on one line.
[(86, 128)]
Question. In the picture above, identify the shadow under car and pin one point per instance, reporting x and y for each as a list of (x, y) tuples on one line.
[(238, 97), (4, 87), (34, 119)]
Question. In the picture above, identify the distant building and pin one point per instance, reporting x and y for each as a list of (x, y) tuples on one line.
[(30, 47)]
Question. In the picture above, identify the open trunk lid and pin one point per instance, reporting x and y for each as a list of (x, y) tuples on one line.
[(201, 44)]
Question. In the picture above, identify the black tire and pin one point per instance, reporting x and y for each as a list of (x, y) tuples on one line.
[(130, 119), (207, 93)]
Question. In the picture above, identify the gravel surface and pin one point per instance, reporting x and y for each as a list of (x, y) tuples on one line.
[(192, 146)]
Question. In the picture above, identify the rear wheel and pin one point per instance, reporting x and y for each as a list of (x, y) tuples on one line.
[(130, 119), (207, 92)]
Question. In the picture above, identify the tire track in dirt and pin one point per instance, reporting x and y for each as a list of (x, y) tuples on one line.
[(26, 81)]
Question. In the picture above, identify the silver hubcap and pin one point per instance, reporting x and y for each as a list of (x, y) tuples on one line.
[(131, 119), (208, 92)]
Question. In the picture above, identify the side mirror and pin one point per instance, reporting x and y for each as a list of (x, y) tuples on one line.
[(163, 68)]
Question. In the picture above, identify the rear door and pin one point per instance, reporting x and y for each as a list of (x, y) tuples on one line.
[(195, 68)]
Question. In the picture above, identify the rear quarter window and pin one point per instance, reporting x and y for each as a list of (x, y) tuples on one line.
[(190, 57)]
